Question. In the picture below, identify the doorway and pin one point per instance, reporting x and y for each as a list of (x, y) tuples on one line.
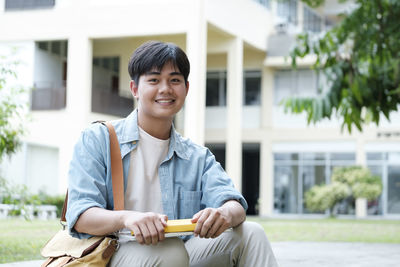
[(251, 176)]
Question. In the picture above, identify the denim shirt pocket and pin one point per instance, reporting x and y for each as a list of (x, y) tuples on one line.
[(190, 203)]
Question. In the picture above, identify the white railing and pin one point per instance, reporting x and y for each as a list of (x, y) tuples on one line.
[(42, 212)]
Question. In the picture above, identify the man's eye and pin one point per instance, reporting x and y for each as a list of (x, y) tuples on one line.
[(176, 80), (153, 80)]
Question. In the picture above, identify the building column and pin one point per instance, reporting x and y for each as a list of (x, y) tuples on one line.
[(361, 157), (234, 112), (300, 15), (196, 49), (266, 161), (267, 178), (79, 78), (79, 93)]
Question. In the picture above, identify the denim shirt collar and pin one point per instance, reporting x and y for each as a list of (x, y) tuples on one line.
[(129, 137)]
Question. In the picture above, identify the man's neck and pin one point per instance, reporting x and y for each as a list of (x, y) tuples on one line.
[(158, 128)]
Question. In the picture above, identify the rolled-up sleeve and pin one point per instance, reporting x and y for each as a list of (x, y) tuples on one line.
[(87, 176), (217, 185)]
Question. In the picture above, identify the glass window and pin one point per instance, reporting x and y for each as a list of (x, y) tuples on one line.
[(286, 189), (252, 88), (56, 47), (65, 49), (286, 156), (296, 173), (265, 3), (28, 4), (43, 45), (212, 95), (302, 83), (393, 189), (216, 88), (343, 156), (313, 156), (312, 21), (312, 175), (374, 156), (288, 9)]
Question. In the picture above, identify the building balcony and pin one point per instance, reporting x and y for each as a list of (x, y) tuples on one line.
[(111, 103), (48, 96)]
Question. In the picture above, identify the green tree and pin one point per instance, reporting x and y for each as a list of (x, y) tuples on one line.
[(12, 108), (12, 118), (360, 58)]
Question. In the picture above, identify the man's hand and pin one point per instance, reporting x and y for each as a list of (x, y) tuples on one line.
[(211, 222), (148, 227)]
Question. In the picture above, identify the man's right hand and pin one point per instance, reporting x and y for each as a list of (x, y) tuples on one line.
[(148, 227)]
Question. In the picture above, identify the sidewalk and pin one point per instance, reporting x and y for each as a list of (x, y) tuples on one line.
[(330, 254), (317, 254)]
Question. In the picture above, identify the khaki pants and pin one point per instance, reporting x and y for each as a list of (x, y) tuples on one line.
[(247, 246)]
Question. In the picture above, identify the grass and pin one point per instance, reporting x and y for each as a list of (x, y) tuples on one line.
[(21, 240), (331, 230)]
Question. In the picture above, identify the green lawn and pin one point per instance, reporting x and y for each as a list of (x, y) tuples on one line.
[(22, 240), (331, 230)]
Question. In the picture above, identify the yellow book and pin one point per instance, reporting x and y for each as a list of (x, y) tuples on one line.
[(183, 225), (178, 226)]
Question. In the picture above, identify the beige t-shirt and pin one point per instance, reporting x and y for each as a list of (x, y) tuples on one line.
[(143, 187)]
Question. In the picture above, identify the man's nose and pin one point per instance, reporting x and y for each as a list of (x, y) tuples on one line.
[(165, 87)]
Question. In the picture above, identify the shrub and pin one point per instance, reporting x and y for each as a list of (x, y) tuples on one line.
[(354, 181), (323, 197)]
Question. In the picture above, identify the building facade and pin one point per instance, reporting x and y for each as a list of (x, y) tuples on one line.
[(75, 53)]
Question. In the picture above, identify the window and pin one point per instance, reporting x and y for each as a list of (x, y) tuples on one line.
[(301, 83), (265, 3), (106, 73), (252, 88), (59, 48), (312, 21), (296, 173), (216, 88), (387, 166), (28, 4), (288, 10)]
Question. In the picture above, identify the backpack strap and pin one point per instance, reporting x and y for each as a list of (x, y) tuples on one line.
[(117, 176)]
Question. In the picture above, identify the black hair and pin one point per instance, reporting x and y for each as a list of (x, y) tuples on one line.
[(155, 54)]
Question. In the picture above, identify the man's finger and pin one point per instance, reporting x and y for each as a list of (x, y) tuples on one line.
[(160, 230), (215, 227), (208, 223), (145, 233)]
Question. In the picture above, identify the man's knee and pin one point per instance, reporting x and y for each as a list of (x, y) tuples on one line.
[(250, 228)]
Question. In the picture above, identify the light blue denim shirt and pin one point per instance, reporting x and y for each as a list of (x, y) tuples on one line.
[(190, 177)]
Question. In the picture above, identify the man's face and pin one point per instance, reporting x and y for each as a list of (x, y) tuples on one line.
[(160, 94)]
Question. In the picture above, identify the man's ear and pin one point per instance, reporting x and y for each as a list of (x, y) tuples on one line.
[(134, 89), (187, 87)]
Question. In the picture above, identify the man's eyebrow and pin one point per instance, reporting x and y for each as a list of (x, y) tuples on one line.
[(175, 73), (153, 73), (158, 73)]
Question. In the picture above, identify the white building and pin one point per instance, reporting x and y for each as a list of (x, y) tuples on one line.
[(75, 54)]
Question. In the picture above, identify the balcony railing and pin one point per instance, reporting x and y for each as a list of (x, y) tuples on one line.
[(28, 4), (48, 96), (111, 103)]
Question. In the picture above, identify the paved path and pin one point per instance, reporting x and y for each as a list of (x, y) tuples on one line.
[(329, 254), (316, 254)]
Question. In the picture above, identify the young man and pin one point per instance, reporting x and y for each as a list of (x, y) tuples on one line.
[(165, 177)]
